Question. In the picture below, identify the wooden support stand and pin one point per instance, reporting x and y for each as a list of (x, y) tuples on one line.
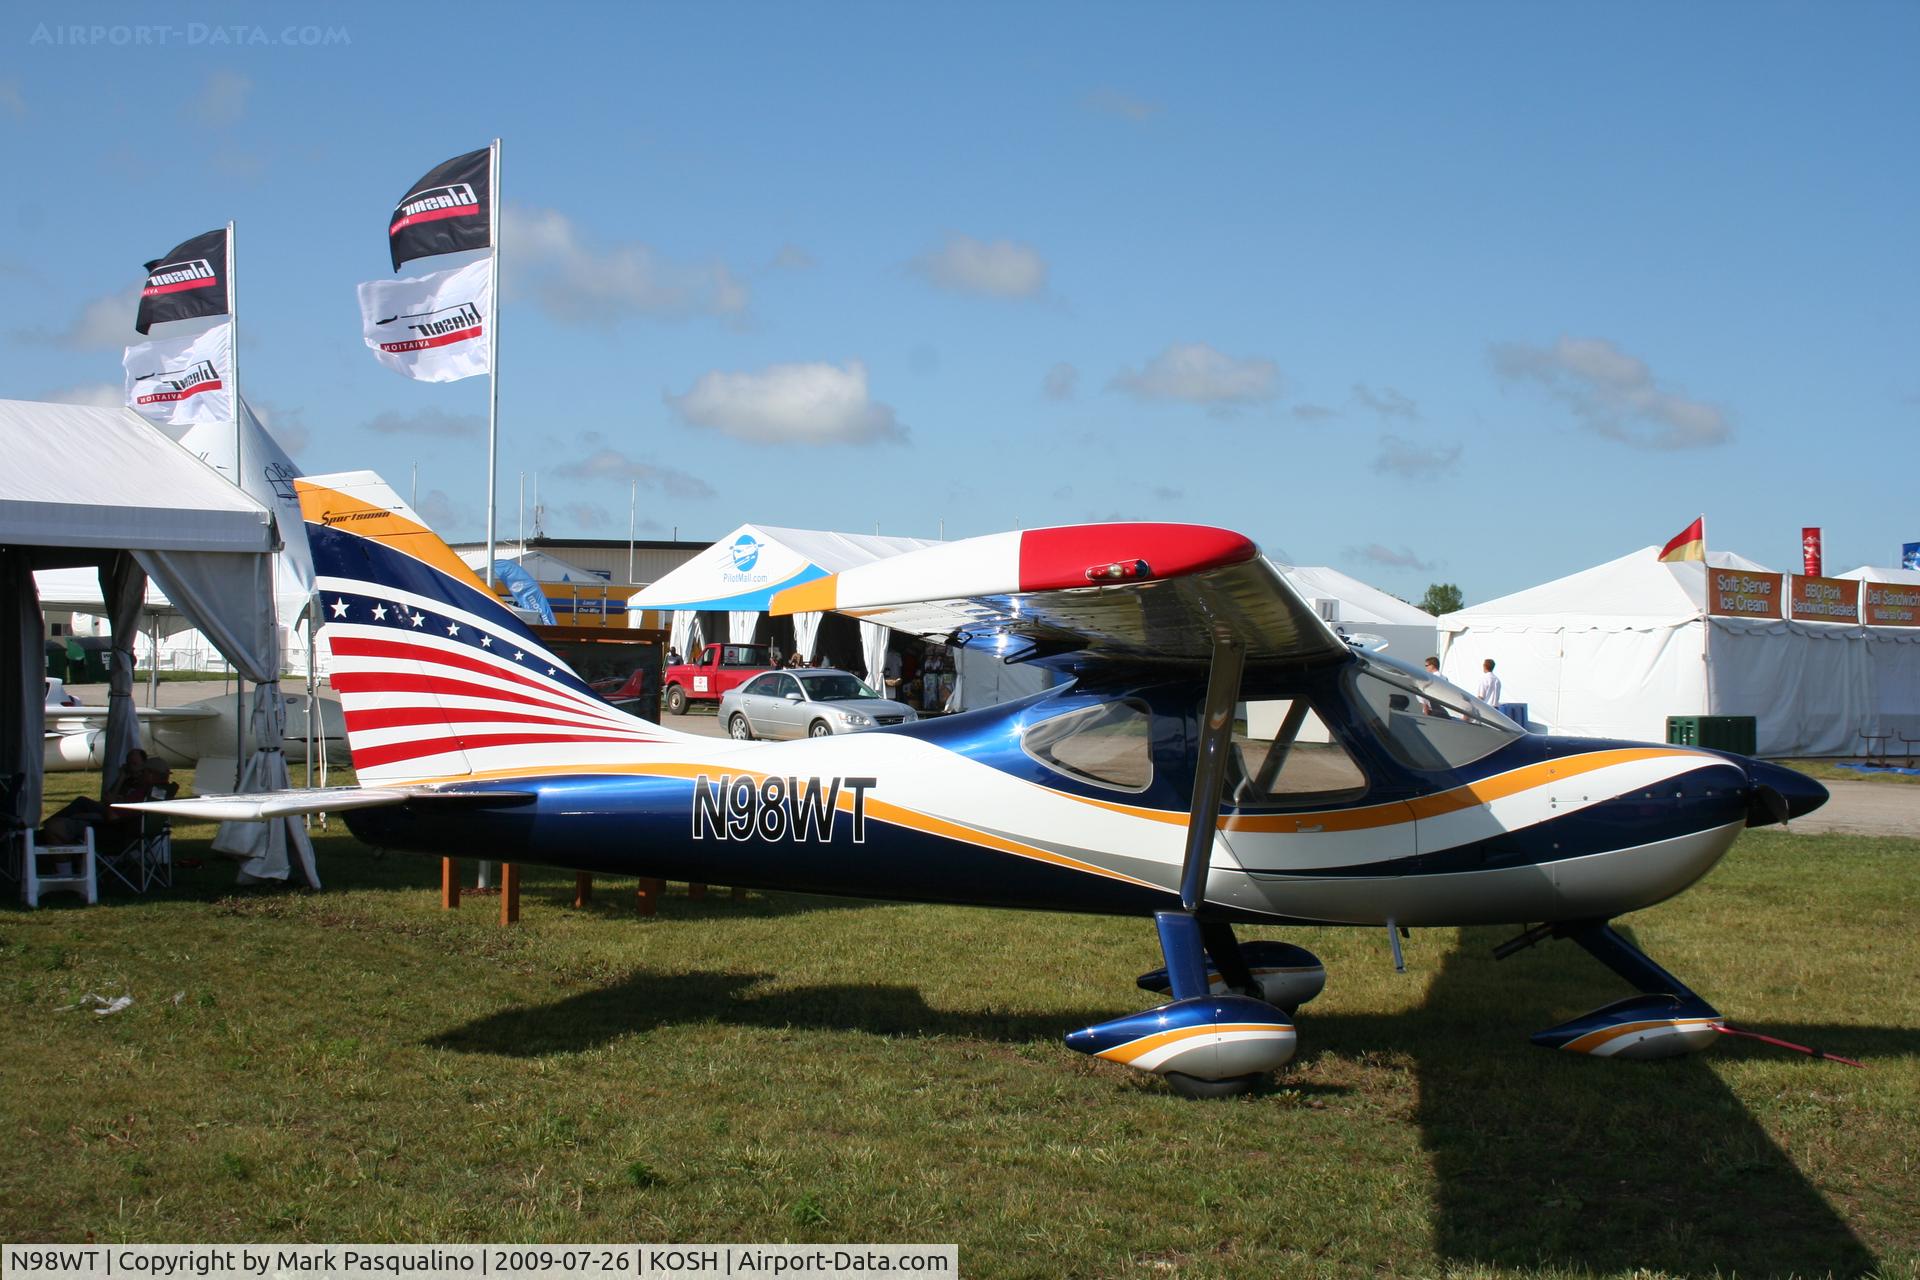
[(449, 884), (647, 896), (696, 892), (509, 893), (582, 888)]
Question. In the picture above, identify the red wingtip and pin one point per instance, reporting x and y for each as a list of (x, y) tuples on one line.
[(1055, 559)]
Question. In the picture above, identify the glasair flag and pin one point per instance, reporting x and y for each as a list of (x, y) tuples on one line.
[(444, 212), (431, 328), (1689, 544), (176, 381), (187, 284)]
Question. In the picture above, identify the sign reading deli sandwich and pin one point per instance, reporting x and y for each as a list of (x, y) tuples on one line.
[(186, 284), (1891, 604), (1739, 593), (444, 212), (1823, 599)]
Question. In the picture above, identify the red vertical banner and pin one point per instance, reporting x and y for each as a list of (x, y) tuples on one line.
[(1810, 551)]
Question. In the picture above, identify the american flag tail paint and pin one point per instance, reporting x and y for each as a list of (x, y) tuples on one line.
[(437, 678)]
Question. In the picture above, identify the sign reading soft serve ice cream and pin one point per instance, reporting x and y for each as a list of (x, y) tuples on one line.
[(1741, 593), (1823, 599)]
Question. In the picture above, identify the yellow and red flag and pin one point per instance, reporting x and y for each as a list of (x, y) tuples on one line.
[(1689, 544)]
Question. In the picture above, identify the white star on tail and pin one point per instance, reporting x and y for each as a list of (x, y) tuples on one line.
[(339, 608), (419, 619), (379, 613), (486, 642), (453, 628)]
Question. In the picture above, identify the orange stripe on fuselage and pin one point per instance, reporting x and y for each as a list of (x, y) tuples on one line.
[(1133, 1049), (333, 509), (1371, 816), (1607, 1035)]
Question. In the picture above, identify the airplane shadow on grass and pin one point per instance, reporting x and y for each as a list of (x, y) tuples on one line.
[(1540, 1158), (1555, 1159)]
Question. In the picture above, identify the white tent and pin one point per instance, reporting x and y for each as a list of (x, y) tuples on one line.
[(739, 575), (1360, 609), (1612, 651), (541, 566), (91, 486)]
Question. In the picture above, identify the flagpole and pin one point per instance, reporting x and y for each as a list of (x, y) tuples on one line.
[(493, 347), (233, 372)]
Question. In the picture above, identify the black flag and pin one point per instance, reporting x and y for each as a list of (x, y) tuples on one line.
[(188, 283), (444, 212)]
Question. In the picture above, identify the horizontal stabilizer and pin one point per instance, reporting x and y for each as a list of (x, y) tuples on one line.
[(262, 806)]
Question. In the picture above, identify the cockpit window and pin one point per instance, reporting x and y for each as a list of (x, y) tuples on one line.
[(1110, 744), (1425, 721), (1283, 754)]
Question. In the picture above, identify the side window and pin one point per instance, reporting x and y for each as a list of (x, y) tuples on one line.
[(1284, 755), (1110, 744), (763, 687), (785, 685)]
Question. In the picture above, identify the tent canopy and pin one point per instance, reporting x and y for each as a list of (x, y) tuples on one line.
[(541, 566), (102, 479), (743, 571), (1633, 593), (1359, 602)]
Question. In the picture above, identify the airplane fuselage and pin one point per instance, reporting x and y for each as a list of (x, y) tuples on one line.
[(963, 810)]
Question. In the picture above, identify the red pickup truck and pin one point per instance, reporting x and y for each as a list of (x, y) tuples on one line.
[(720, 668)]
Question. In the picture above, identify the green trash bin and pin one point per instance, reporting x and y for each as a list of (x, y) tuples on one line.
[(1738, 734)]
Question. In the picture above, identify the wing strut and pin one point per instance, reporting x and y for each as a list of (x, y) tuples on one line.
[(1210, 773)]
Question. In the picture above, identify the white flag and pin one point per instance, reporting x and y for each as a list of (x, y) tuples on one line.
[(176, 381), (433, 328)]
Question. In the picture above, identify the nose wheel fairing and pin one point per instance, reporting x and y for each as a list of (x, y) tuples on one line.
[(1665, 1020)]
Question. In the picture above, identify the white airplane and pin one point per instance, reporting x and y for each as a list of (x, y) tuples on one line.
[(1364, 793), (182, 736)]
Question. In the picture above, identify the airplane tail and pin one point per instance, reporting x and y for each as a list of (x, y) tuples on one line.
[(439, 680)]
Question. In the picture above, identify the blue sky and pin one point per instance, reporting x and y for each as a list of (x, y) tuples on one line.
[(1477, 293)]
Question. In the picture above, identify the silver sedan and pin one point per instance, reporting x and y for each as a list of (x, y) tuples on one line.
[(807, 703)]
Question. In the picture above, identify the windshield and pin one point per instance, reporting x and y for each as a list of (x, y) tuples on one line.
[(838, 687), (1424, 720)]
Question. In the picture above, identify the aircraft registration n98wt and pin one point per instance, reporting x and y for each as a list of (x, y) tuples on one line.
[(1215, 756)]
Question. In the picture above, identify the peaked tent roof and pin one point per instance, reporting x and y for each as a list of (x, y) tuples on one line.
[(1875, 573), (743, 571), (542, 566), (1635, 592), (103, 479), (1360, 602)]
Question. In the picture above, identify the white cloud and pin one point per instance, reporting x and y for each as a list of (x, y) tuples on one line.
[(287, 426), (1313, 412), (1388, 403), (100, 395), (439, 513), (1112, 102), (1061, 381), (995, 268), (104, 324), (1197, 374), (222, 100), (1613, 394), (577, 282), (429, 422), (590, 516), (792, 258), (1411, 459), (604, 462), (1392, 557), (791, 404)]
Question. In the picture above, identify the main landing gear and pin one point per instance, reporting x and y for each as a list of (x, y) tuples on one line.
[(1665, 1021), (1230, 1021)]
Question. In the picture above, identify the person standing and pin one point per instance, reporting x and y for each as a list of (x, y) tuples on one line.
[(1489, 690)]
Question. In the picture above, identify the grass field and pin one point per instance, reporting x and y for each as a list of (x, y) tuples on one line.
[(359, 1065)]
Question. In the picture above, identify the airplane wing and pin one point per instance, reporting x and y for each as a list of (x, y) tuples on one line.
[(91, 714), (1141, 592), (262, 806)]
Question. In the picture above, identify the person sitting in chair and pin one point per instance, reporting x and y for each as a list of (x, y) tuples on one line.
[(68, 825)]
